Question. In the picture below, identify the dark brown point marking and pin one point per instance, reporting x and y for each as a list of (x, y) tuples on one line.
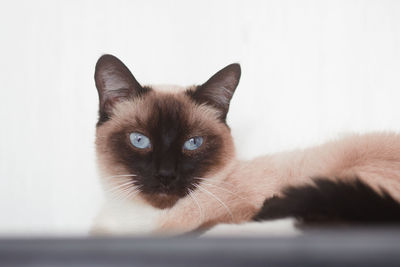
[(332, 202)]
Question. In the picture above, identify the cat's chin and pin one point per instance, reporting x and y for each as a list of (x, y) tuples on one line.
[(160, 200)]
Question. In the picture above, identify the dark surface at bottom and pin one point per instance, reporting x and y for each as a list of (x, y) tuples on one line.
[(356, 247)]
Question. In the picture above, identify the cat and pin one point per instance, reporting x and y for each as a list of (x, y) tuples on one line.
[(168, 165)]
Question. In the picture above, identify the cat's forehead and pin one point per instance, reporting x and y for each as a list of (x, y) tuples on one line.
[(165, 107)]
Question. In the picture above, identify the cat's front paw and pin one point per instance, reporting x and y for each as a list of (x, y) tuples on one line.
[(166, 226)]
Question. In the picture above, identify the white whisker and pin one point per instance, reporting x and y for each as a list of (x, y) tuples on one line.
[(201, 215), (122, 195), (226, 190), (216, 198), (214, 180), (116, 188), (119, 191), (131, 193)]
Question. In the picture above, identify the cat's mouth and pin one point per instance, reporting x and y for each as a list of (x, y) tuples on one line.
[(161, 200), (163, 194)]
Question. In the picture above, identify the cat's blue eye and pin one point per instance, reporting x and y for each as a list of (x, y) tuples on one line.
[(193, 143), (139, 140)]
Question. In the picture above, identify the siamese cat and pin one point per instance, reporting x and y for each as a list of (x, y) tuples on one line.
[(168, 165)]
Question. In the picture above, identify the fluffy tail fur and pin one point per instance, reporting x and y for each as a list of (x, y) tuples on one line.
[(333, 202)]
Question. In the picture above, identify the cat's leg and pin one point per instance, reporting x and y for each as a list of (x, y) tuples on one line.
[(125, 218), (184, 217), (205, 207)]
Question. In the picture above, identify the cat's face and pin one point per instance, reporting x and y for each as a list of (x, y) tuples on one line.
[(158, 145)]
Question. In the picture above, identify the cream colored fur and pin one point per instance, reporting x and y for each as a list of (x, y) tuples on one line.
[(236, 191)]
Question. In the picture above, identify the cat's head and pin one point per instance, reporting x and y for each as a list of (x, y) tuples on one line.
[(159, 145)]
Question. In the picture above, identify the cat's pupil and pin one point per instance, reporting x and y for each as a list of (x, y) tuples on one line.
[(139, 140), (193, 143)]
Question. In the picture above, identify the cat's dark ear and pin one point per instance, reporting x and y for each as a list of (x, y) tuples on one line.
[(219, 89), (114, 83)]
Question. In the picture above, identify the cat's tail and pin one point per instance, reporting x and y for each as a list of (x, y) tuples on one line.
[(329, 201)]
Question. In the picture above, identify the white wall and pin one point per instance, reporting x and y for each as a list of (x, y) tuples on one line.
[(311, 69)]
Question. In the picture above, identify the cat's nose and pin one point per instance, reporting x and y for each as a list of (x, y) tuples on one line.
[(166, 176), (166, 170)]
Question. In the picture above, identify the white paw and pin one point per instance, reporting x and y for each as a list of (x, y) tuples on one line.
[(283, 227), (119, 218)]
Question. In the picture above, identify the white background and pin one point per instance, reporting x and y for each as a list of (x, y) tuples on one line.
[(310, 70)]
